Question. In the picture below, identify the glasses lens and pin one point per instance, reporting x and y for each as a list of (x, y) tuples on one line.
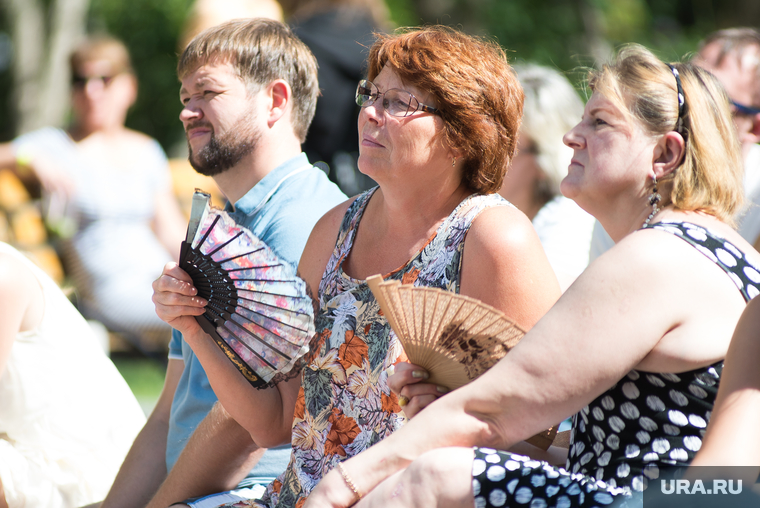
[(366, 93), (399, 102)]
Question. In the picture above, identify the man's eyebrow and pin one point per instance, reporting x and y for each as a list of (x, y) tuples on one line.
[(198, 83)]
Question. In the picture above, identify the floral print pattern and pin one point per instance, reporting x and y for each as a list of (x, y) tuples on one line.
[(345, 405)]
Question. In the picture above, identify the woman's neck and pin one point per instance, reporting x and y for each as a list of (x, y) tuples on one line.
[(393, 229)]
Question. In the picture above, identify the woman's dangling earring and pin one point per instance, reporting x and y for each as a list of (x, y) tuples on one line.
[(453, 162), (654, 200)]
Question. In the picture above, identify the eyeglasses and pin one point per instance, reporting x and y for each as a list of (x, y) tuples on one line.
[(80, 82), (396, 102), (743, 110)]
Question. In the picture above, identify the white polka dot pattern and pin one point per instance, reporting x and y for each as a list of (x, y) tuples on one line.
[(535, 484), (623, 438), (653, 420), (720, 251)]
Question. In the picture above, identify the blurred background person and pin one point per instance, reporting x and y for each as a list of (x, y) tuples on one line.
[(552, 107), (108, 195), (339, 33), (67, 418), (733, 56)]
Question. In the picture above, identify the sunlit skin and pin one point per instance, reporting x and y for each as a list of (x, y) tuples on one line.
[(610, 156), (216, 102), (213, 99), (392, 147)]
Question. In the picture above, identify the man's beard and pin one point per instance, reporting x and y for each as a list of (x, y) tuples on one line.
[(223, 152)]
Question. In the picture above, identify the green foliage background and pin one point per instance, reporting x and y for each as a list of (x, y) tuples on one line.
[(150, 29), (565, 34)]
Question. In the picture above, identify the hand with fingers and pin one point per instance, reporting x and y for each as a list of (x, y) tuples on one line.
[(176, 300), (414, 394)]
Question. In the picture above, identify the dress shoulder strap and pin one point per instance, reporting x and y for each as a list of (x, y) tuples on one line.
[(345, 239), (720, 251), (440, 262)]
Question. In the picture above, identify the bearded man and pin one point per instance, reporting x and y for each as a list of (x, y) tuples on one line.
[(249, 91)]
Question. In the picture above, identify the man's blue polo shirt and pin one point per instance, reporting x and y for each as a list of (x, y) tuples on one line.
[(281, 210)]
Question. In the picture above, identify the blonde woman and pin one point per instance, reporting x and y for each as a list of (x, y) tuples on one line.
[(634, 349)]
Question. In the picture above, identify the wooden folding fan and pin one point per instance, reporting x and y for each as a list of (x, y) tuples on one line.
[(454, 337)]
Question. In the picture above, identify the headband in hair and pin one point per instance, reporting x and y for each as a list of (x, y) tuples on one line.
[(681, 102)]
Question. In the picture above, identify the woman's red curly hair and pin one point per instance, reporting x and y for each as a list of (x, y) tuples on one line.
[(475, 89)]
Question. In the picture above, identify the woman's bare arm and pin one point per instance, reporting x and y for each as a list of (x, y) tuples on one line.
[(21, 303), (589, 340)]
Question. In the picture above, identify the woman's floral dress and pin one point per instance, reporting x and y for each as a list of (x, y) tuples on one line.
[(345, 405)]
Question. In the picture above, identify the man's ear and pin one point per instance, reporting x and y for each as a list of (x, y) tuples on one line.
[(280, 97), (668, 154)]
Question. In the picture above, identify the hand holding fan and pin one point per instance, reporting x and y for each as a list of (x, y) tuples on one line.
[(454, 337), (258, 311)]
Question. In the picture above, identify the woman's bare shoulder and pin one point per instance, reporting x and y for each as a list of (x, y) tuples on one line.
[(505, 266), (15, 276), (504, 230)]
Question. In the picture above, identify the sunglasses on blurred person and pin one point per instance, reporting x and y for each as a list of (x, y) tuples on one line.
[(80, 82), (395, 101), (742, 110)]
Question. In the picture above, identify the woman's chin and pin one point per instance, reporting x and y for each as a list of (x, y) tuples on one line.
[(371, 168), (569, 188)]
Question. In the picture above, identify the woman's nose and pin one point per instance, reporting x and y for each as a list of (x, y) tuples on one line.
[(572, 138), (375, 110)]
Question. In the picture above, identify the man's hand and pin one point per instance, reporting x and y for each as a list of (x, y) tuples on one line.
[(175, 299)]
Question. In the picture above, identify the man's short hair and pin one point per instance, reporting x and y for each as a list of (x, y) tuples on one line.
[(261, 51)]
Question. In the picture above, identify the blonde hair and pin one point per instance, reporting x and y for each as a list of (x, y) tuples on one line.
[(261, 50), (101, 47), (710, 177)]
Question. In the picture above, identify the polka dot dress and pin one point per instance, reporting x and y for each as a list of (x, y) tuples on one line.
[(620, 440), (505, 479), (720, 251)]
